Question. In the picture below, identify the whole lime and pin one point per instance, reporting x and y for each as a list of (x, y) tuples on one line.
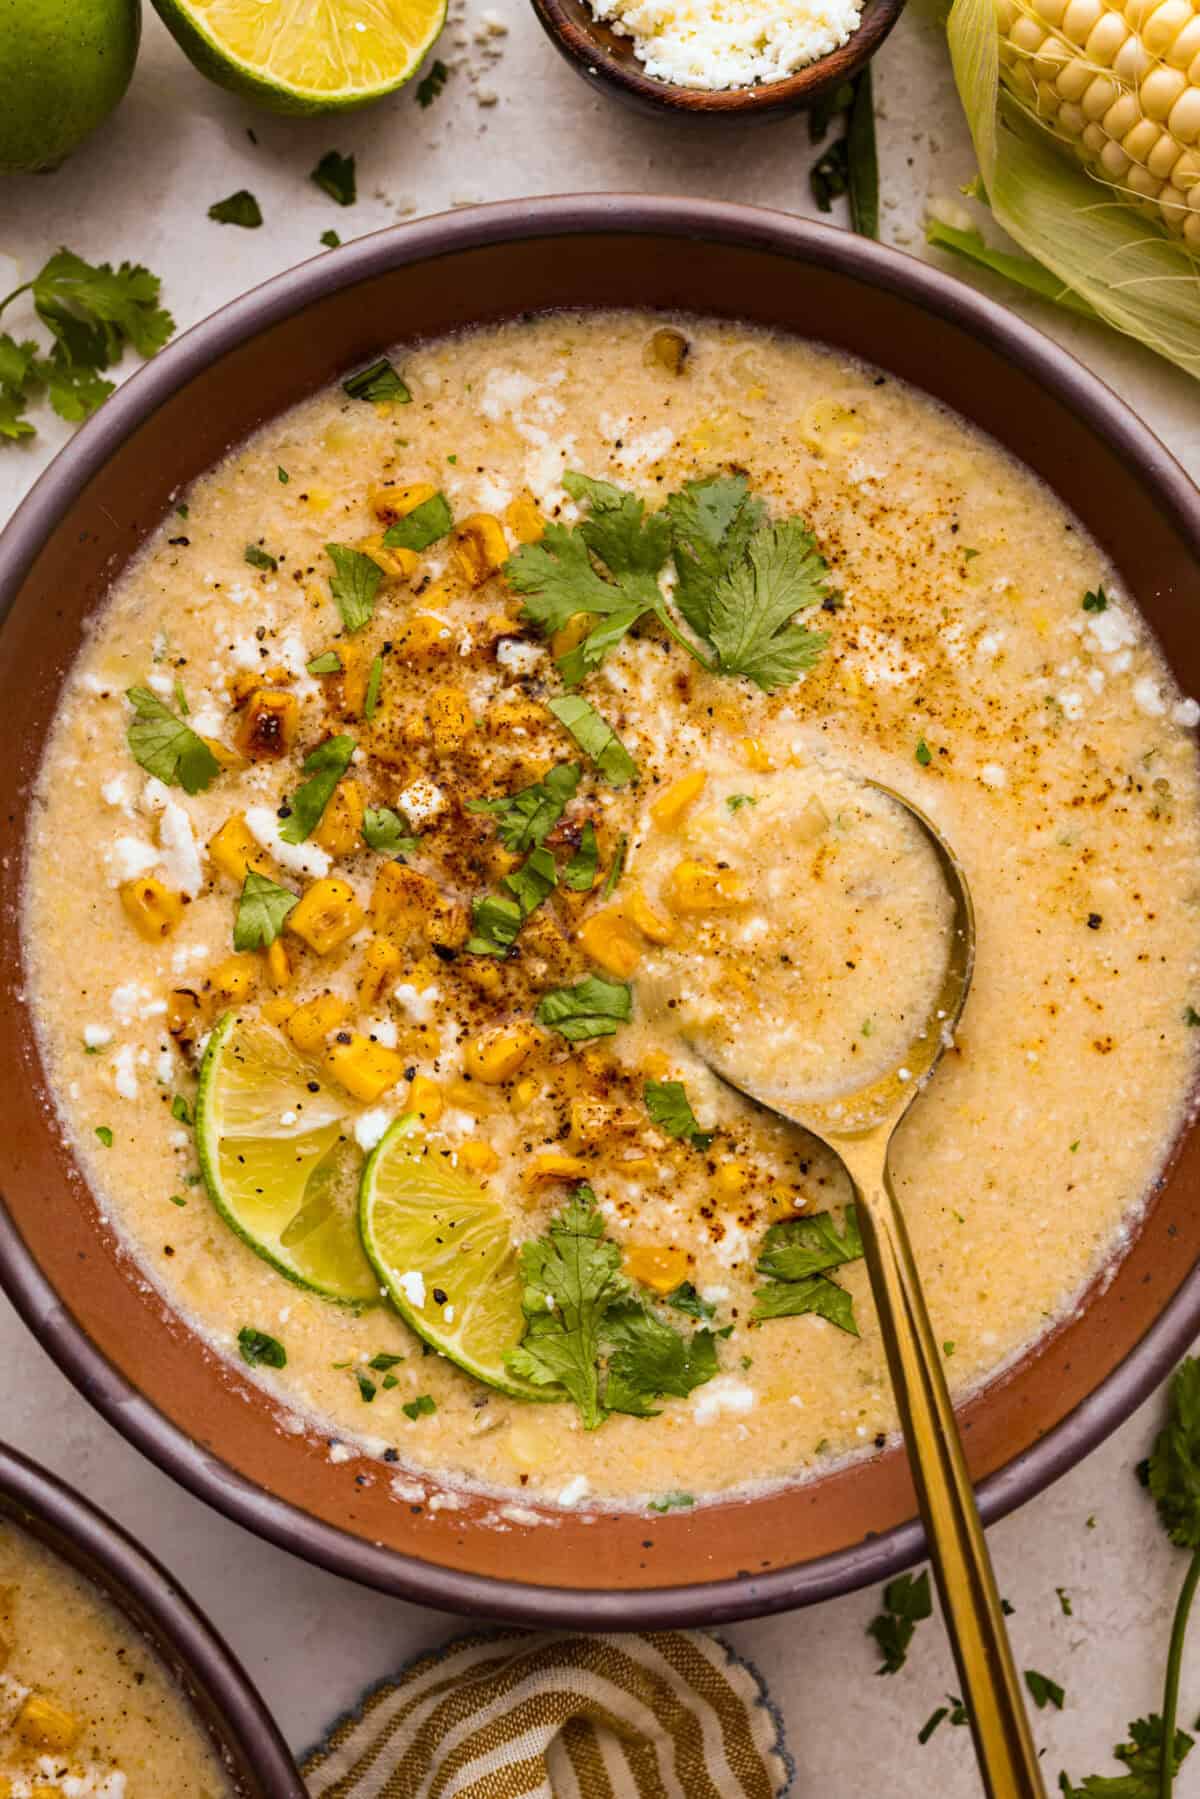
[(64, 64)]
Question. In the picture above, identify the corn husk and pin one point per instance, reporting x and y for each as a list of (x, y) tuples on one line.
[(1120, 263)]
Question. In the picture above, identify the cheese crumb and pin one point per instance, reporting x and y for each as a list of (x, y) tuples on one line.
[(729, 43)]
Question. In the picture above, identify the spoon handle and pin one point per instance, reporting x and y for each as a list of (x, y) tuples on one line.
[(957, 1547)]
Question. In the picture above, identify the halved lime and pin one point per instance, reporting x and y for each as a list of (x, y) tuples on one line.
[(277, 1161), (443, 1248), (322, 56)]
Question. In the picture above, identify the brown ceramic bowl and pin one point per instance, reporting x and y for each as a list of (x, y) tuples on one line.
[(605, 58), (225, 1703), (142, 1366)]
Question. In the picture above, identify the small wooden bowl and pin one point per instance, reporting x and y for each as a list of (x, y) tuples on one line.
[(607, 59)]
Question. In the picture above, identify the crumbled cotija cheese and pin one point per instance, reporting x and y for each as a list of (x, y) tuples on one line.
[(729, 43)]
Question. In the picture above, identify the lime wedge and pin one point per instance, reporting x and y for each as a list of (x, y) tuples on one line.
[(322, 56), (443, 1249), (277, 1161)]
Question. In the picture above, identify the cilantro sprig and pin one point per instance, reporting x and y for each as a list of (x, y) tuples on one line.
[(797, 1257), (92, 313), (590, 1334)]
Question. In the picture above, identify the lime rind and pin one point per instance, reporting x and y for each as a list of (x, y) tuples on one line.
[(428, 1231), (275, 1161)]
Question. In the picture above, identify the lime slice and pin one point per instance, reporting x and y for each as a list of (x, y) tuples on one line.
[(277, 1162), (444, 1250), (322, 56)]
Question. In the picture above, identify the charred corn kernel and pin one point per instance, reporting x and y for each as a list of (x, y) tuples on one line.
[(425, 1099), (656, 1066), (151, 908), (233, 849), (380, 965), (524, 519), (249, 680), (589, 1121), (524, 1094), (660, 1268), (235, 979), (279, 964), (366, 1070), (480, 1158), (278, 1009), (703, 887), (340, 829), (607, 938), (391, 501), (352, 682), (398, 563), (184, 1012), (267, 727), (44, 1725), (552, 1165), (670, 806), (731, 1179), (572, 634), (327, 915), (310, 1024), (403, 900), (1120, 85), (480, 547), (520, 717), (667, 349), (755, 755), (485, 977), (450, 720), (497, 1056), (424, 633), (649, 920)]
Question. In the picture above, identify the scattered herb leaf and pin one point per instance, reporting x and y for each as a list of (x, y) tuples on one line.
[(525, 819), (668, 1105), (325, 767), (379, 381), (907, 1602), (595, 737), (593, 1007), (354, 584), (259, 558), (166, 747), (423, 1406), (262, 908), (258, 1349), (238, 209), (387, 832), (335, 176), (424, 525), (432, 83)]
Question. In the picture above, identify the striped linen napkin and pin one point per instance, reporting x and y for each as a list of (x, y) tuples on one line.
[(552, 1715)]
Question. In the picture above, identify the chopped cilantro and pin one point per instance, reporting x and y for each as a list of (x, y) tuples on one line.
[(580, 873), (335, 176), (387, 832), (432, 83), (325, 767), (424, 525), (906, 1603), (238, 209), (1191, 1017), (166, 747), (262, 908), (259, 558), (330, 239), (686, 1299), (948, 1349), (593, 1007), (524, 819), (955, 1712), (104, 1132), (1095, 602), (383, 1364), (354, 584), (736, 801), (374, 683), (923, 753), (389, 1381), (668, 1105), (260, 1349), (1144, 1777), (180, 1110), (177, 1199), (497, 919), (1064, 1600), (281, 475), (181, 699), (595, 737), (423, 1406), (327, 663), (648, 1358), (379, 381), (616, 867), (670, 1502), (796, 1256), (968, 555), (1044, 1691), (367, 1388)]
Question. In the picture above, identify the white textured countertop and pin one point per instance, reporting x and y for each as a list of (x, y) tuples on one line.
[(524, 124)]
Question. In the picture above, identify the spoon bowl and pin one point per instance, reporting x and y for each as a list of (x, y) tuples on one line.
[(858, 1127)]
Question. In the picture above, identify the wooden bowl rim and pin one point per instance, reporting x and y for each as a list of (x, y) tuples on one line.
[(42, 513)]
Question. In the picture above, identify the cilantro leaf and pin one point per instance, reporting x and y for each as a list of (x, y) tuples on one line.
[(525, 819), (335, 176), (327, 663), (325, 767), (793, 1299), (557, 580), (571, 1275), (166, 747), (712, 523), (580, 873), (668, 1105), (19, 381), (432, 83), (497, 919), (1173, 1474), (594, 1007), (238, 209), (648, 1359), (73, 390), (423, 1406), (906, 1603), (354, 584), (616, 867), (1044, 1691), (262, 908), (379, 381), (752, 611), (800, 1247), (595, 737), (424, 525), (257, 557), (387, 832), (259, 1349), (1142, 1756), (1096, 601), (686, 1299), (330, 239), (670, 1502), (95, 310)]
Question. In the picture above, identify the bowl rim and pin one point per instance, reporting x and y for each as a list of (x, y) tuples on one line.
[(46, 1498), (876, 1558), (578, 41)]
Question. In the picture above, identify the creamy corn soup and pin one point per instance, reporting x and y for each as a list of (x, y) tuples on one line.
[(86, 1708), (487, 729)]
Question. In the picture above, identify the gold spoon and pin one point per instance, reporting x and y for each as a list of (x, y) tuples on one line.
[(858, 1128)]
